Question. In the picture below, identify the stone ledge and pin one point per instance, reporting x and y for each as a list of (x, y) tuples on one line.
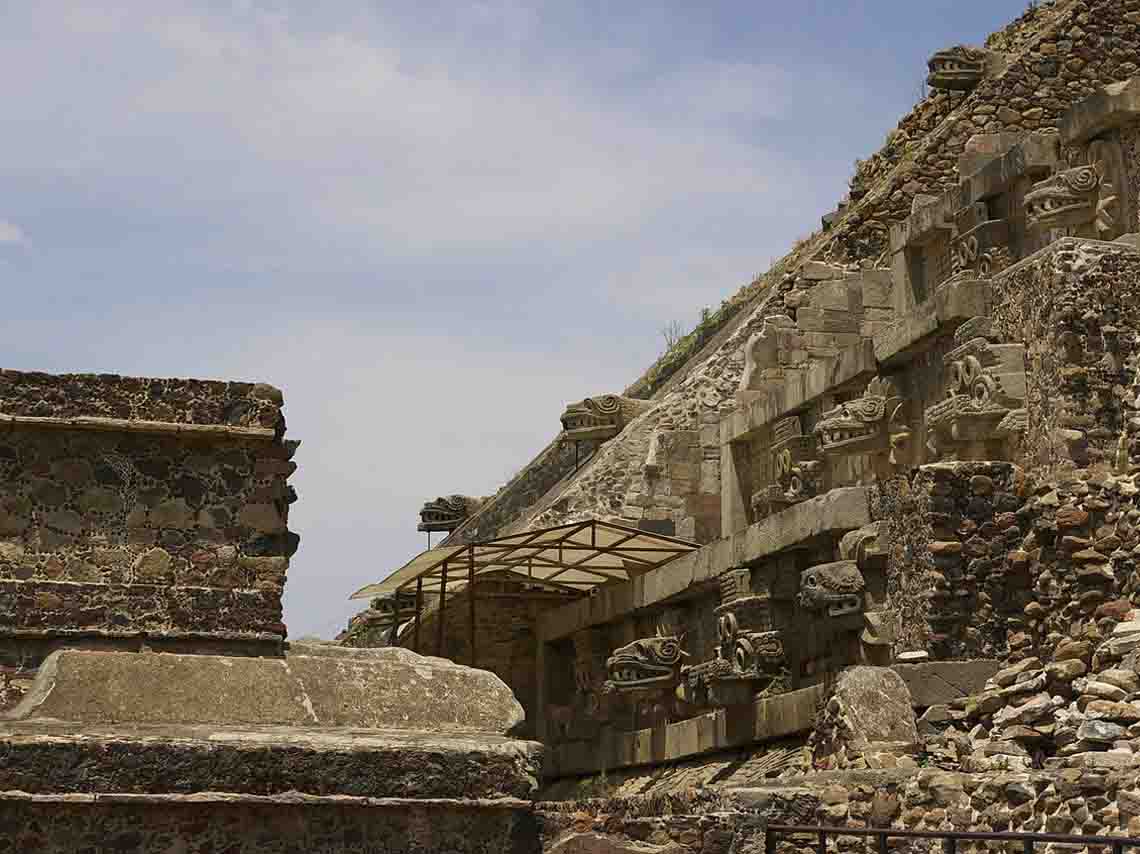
[(99, 399), (124, 425), (391, 689), (47, 609), (51, 632), (841, 509), (949, 307), (1033, 154), (285, 799), (46, 757), (934, 682), (800, 388), (1091, 249), (768, 719)]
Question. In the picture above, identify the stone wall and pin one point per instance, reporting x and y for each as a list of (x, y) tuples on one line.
[(723, 820), (1071, 304), (1016, 567), (953, 534), (138, 509), (141, 399), (266, 825)]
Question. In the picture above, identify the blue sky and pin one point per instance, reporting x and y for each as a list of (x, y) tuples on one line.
[(430, 223)]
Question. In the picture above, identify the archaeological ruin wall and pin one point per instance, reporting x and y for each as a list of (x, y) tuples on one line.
[(884, 471), (912, 467), (149, 699), (141, 511)]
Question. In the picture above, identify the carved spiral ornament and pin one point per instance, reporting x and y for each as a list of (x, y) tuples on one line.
[(868, 409), (1083, 180), (756, 649), (607, 404), (669, 650), (795, 485)]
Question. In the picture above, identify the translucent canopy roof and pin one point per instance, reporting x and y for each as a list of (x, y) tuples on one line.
[(574, 557)]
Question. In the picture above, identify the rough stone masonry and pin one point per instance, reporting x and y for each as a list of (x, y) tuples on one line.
[(909, 455), (143, 549), (141, 511)]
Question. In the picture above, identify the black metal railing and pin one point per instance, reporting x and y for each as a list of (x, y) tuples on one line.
[(950, 838)]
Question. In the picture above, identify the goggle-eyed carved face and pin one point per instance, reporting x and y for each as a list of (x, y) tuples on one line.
[(838, 587), (646, 662), (758, 652)]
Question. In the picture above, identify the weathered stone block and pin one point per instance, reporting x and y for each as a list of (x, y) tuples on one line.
[(935, 682), (876, 706), (313, 685)]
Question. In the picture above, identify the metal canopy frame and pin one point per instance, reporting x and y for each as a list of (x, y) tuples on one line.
[(574, 559)]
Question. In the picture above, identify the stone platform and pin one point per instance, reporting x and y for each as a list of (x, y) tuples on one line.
[(326, 749)]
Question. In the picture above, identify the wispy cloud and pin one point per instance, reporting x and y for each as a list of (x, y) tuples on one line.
[(374, 142)]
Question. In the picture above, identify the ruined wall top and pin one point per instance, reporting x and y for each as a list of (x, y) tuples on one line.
[(141, 399)]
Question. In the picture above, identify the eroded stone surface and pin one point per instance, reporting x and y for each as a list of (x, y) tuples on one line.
[(313, 686), (876, 706)]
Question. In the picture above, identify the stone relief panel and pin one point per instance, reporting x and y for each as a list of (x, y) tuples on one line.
[(749, 656), (978, 228), (797, 469), (983, 415), (980, 246), (1130, 149), (591, 647)]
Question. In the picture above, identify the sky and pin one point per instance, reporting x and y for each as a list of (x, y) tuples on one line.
[(431, 224)]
